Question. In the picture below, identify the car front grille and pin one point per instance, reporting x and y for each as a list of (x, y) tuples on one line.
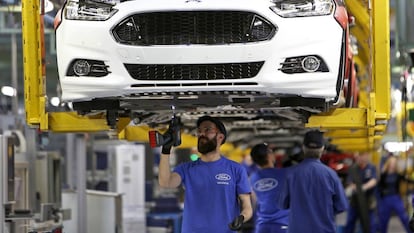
[(170, 72), (193, 27)]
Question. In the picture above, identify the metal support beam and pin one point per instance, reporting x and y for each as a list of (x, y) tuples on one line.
[(80, 145), (340, 118), (381, 56), (140, 133), (3, 178), (358, 144), (71, 122), (34, 81), (64, 122), (347, 133), (362, 128), (354, 142), (361, 30), (70, 161)]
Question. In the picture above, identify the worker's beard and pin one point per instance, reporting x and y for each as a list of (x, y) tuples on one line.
[(206, 145)]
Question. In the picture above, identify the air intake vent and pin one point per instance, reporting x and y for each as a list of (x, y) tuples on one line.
[(194, 71), (193, 27)]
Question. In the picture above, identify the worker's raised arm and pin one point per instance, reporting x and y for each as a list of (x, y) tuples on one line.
[(172, 137), (166, 178)]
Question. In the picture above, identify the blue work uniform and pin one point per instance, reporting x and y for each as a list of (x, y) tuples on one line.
[(211, 194), (267, 185), (314, 194), (390, 200), (366, 174)]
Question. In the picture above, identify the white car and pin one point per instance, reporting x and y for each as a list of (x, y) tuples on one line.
[(142, 54)]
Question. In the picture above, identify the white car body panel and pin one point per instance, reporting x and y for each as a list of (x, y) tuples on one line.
[(319, 35)]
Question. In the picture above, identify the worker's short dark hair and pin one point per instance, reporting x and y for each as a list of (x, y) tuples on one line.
[(259, 154)]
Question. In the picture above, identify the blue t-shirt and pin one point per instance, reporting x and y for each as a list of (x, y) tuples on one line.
[(267, 185), (314, 194), (211, 194)]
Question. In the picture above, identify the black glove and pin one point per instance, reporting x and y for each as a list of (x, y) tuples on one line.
[(237, 223), (168, 141), (172, 137), (411, 223)]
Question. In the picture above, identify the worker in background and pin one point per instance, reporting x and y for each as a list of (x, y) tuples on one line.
[(249, 165), (267, 183), (293, 156), (217, 190), (360, 187), (389, 195), (312, 191)]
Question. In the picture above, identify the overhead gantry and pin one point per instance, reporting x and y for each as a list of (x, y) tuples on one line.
[(351, 129), (362, 128)]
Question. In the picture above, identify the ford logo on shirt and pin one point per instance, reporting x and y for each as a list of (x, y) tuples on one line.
[(265, 184), (223, 177)]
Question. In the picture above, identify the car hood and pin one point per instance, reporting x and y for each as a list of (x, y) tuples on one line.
[(194, 5)]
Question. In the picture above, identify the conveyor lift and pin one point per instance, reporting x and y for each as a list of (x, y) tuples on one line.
[(362, 128), (353, 129)]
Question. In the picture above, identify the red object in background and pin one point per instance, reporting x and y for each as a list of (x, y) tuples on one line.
[(340, 162), (279, 160), (350, 80)]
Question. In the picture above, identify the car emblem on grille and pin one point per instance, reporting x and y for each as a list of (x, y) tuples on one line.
[(187, 1)]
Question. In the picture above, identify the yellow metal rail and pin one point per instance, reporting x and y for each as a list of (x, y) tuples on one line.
[(362, 128), (34, 79)]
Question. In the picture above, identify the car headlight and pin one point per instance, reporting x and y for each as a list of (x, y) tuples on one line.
[(89, 10), (302, 8)]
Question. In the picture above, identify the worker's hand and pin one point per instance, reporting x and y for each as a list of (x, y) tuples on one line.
[(169, 141), (172, 137), (237, 223), (175, 127), (411, 223), (349, 191)]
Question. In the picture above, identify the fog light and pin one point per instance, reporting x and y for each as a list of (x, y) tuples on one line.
[(81, 67), (310, 64)]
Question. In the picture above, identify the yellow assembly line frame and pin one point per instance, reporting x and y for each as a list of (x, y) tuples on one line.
[(355, 129), (362, 128)]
